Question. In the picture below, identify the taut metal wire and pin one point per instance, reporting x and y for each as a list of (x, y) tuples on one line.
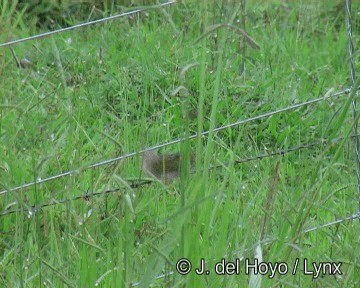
[(102, 20)]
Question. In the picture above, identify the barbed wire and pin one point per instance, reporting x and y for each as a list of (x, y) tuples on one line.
[(32, 209), (352, 77), (139, 183), (132, 154), (102, 20), (292, 149)]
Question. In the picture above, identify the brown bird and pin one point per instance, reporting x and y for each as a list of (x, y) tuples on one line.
[(165, 168)]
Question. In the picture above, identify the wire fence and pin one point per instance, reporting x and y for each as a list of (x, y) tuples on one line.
[(230, 125), (176, 141), (352, 91), (328, 95)]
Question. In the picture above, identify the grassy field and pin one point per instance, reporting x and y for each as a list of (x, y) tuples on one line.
[(103, 91)]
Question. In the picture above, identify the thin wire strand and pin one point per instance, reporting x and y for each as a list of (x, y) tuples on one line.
[(338, 221), (102, 20), (156, 278), (123, 157), (352, 76)]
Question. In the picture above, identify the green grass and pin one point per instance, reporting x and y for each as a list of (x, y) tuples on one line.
[(72, 108)]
